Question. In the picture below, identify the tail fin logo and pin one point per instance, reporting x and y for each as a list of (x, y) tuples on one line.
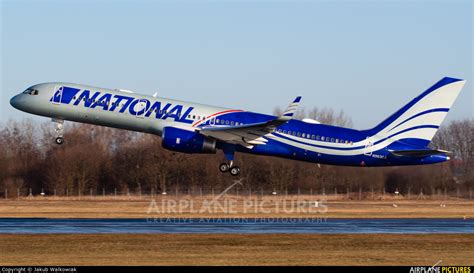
[(418, 121)]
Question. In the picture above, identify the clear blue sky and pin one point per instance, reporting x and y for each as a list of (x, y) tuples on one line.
[(367, 58)]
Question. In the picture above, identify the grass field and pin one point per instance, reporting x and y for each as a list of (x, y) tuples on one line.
[(235, 249), (233, 206)]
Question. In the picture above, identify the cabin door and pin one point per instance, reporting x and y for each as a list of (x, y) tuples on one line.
[(368, 147), (140, 109), (58, 95)]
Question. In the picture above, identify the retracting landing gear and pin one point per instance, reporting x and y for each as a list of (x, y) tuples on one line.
[(59, 131), (224, 167), (234, 171), (229, 167)]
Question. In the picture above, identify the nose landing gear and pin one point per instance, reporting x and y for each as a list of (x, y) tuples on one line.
[(59, 131), (59, 140)]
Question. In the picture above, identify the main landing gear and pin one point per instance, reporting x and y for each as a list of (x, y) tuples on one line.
[(229, 167), (59, 131)]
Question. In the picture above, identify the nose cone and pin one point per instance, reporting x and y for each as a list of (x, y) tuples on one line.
[(13, 101), (16, 102)]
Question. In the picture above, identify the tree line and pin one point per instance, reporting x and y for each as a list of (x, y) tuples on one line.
[(99, 158)]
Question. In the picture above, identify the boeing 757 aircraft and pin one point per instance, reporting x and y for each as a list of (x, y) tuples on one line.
[(401, 139)]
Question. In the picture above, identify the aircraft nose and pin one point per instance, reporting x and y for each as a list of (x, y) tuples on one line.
[(15, 101)]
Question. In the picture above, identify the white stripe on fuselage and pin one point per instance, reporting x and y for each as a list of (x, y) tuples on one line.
[(306, 145)]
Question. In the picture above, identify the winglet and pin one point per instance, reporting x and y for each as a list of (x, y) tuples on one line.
[(290, 111)]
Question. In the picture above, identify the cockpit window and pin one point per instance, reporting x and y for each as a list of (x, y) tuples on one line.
[(31, 91)]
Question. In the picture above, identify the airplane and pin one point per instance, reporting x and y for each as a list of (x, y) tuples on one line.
[(401, 139)]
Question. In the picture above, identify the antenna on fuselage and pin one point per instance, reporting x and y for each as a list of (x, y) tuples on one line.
[(124, 90), (156, 94)]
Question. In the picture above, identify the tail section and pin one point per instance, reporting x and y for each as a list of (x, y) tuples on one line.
[(417, 122)]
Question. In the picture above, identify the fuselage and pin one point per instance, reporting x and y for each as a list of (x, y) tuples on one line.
[(295, 139)]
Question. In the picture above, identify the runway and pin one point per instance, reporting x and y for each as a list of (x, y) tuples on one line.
[(234, 226)]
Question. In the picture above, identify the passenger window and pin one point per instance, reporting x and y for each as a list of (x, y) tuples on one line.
[(304, 135), (299, 134), (322, 138)]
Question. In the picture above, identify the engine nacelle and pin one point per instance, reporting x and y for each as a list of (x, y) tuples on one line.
[(184, 141)]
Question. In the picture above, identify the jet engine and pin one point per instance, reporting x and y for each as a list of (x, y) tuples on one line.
[(184, 141)]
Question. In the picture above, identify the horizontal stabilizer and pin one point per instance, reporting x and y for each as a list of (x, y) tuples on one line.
[(419, 153)]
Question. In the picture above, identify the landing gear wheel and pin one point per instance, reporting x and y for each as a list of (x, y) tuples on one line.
[(224, 167), (59, 131), (234, 171), (59, 140)]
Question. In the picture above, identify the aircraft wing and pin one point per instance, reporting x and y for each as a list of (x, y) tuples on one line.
[(251, 134)]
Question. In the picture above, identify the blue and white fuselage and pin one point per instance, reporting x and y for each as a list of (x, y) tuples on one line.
[(401, 139)]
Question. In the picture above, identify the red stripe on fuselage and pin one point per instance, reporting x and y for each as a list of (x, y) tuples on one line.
[(213, 115)]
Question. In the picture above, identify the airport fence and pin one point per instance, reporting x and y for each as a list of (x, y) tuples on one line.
[(336, 193)]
